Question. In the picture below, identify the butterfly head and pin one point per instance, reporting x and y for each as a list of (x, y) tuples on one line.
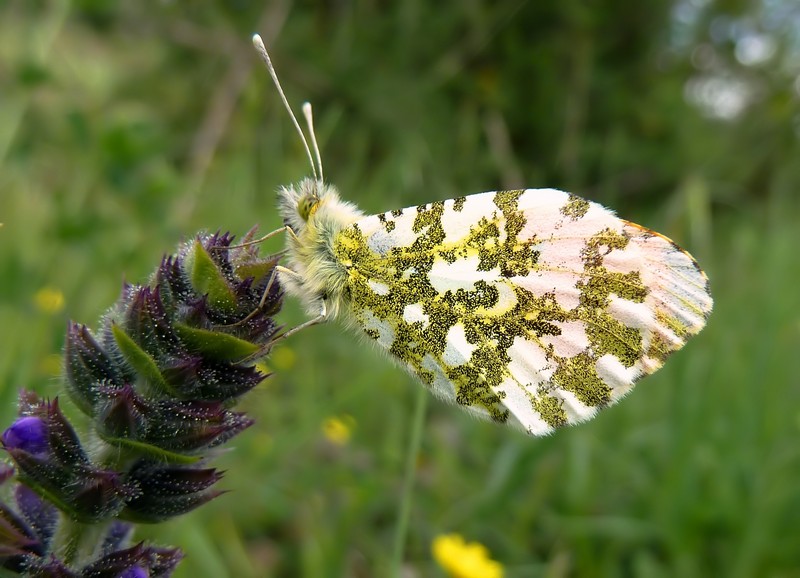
[(312, 203), (307, 205), (298, 203)]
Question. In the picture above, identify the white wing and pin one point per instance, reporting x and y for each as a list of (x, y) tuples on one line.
[(536, 306)]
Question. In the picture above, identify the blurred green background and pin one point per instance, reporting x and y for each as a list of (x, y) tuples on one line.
[(125, 127)]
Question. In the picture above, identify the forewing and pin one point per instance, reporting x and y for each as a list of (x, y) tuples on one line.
[(536, 306)]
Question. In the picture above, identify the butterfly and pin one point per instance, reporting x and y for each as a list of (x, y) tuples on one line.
[(535, 308)]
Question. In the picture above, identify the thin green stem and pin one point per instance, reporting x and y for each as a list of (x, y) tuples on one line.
[(401, 529)]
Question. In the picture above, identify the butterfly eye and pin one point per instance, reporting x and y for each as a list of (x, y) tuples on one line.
[(306, 206)]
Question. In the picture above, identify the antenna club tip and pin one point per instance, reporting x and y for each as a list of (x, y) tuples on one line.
[(257, 42)]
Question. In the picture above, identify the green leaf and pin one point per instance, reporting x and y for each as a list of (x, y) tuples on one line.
[(140, 360), (258, 270), (149, 450), (215, 344), (207, 279)]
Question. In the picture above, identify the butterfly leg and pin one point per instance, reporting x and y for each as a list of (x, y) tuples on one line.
[(285, 229), (272, 278), (322, 315), (261, 302)]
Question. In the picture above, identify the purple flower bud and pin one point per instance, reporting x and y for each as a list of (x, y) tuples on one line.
[(118, 537), (146, 322), (29, 434), (163, 561), (174, 426), (169, 490), (139, 561), (64, 441), (97, 495), (87, 365), (172, 282), (17, 538), (135, 572), (41, 516)]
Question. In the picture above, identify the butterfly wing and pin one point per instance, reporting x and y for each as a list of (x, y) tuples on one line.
[(535, 307)]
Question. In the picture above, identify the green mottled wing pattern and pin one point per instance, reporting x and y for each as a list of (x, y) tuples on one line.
[(531, 307)]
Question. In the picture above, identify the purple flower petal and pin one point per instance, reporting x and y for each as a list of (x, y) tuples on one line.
[(28, 433)]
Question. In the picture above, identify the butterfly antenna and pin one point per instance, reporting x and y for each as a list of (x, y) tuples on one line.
[(310, 122), (262, 51)]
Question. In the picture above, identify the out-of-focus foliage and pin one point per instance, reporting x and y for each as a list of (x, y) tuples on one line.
[(125, 126)]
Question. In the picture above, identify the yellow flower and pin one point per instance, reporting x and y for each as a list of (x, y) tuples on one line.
[(464, 559), (338, 429), (49, 300)]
